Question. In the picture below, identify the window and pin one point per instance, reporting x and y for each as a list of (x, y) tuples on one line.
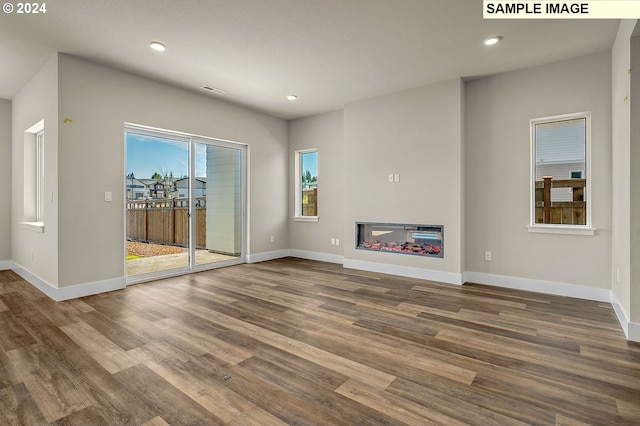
[(33, 178), (40, 176), (560, 188), (306, 199)]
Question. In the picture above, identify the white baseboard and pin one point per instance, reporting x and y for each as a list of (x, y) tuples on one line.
[(269, 255), (540, 286), (631, 330), (405, 271), (88, 289), (634, 332), (623, 319), (312, 255), (72, 292), (7, 264)]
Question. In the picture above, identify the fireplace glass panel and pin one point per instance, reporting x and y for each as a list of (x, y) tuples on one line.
[(417, 240)]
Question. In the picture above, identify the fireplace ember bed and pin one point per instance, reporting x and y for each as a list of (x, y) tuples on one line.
[(411, 239)]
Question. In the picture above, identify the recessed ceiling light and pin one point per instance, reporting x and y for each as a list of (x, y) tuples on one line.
[(492, 40), (292, 97), (156, 45)]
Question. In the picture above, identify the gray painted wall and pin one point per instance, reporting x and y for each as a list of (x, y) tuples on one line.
[(325, 132), (98, 101), (417, 134), (634, 203), (5, 178), (621, 144), (498, 110), (38, 100)]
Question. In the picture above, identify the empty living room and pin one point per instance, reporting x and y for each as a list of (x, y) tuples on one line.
[(320, 212)]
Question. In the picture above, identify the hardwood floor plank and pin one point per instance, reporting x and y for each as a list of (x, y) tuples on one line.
[(294, 365), (380, 353), (54, 393), (462, 409), (17, 407), (401, 410), (291, 407), (256, 416), (108, 354), (156, 421), (165, 335), (319, 356), (343, 409), (162, 397), (86, 416), (547, 357), (452, 323), (219, 400), (13, 335), (112, 330), (608, 357), (61, 313), (221, 349), (553, 397), (115, 403), (562, 420)]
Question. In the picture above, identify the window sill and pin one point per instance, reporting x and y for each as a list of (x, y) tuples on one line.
[(305, 218), (33, 226), (562, 229)]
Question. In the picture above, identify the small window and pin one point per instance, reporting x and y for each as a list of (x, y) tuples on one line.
[(306, 164), (40, 176), (560, 171), (33, 177)]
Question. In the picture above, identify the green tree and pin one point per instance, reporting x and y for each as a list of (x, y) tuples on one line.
[(307, 176), (156, 176)]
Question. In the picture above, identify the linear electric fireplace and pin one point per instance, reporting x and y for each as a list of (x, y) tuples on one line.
[(417, 240)]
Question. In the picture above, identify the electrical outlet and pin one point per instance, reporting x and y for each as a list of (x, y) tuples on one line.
[(273, 239), (487, 255), (390, 177), (337, 241), (396, 177), (333, 241)]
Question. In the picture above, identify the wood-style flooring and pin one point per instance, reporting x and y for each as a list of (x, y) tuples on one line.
[(293, 341)]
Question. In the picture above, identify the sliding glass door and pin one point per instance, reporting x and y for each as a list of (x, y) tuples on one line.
[(218, 195), (185, 199)]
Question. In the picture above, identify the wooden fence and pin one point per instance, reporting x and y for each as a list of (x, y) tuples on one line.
[(166, 221), (310, 202), (560, 212)]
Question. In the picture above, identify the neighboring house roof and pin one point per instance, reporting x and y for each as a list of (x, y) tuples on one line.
[(560, 143), (186, 180)]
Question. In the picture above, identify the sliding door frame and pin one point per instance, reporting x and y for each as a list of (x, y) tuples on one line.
[(192, 140)]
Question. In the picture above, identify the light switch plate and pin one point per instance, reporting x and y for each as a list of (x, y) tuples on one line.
[(108, 196)]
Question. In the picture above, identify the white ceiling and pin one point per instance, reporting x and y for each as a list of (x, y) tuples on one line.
[(328, 52)]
